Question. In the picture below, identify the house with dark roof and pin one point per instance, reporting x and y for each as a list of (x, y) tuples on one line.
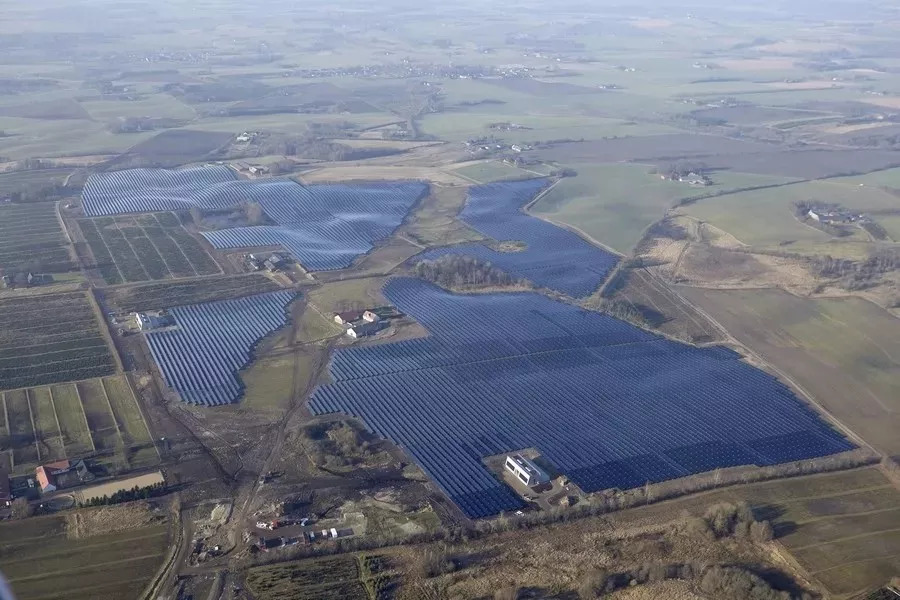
[(364, 329)]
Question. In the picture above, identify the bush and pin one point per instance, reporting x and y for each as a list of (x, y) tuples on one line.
[(507, 593), (592, 584), (437, 562), (737, 584)]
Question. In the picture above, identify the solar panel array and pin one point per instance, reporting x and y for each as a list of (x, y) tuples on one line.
[(154, 190), (200, 359), (324, 226), (555, 258), (606, 403)]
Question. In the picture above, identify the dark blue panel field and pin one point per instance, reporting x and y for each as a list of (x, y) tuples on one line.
[(200, 359), (327, 226), (324, 226), (555, 258), (606, 403)]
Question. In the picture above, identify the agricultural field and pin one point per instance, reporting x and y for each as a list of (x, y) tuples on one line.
[(32, 239), (145, 247), (213, 341), (97, 418), (176, 147), (50, 339), (18, 180), (155, 296), (841, 351), (42, 558), (346, 577), (543, 360), (615, 203)]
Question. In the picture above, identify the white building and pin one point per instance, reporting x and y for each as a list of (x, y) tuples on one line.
[(528, 473)]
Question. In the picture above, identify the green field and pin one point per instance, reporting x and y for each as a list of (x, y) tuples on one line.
[(50, 339), (97, 418), (615, 203), (845, 352), (144, 248), (41, 561), (488, 171), (765, 218), (32, 239)]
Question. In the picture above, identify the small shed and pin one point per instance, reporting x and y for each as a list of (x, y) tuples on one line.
[(347, 317), (363, 329)]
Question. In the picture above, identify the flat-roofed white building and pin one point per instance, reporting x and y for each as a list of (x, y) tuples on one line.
[(527, 472)]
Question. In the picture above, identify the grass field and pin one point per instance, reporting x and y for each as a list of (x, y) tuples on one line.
[(32, 239), (16, 180), (50, 339), (492, 170), (145, 247), (615, 203), (765, 218), (167, 294), (96, 417), (42, 562), (845, 352)]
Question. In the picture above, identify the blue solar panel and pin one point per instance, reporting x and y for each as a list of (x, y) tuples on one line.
[(324, 226), (608, 404), (200, 359), (555, 258)]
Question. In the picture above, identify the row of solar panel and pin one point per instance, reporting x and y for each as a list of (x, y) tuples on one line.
[(616, 407), (554, 258), (212, 342), (324, 226)]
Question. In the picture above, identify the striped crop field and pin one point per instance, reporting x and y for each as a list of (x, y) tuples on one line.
[(144, 248), (51, 339), (98, 418)]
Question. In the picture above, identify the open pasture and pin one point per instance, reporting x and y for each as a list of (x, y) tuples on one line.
[(201, 358), (841, 351), (50, 339), (145, 247), (615, 203), (554, 257), (41, 560), (492, 170), (92, 418), (766, 218), (608, 404), (32, 239)]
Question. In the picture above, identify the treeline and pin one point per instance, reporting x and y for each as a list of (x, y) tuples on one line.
[(38, 192), (857, 275), (456, 271), (135, 493), (595, 505)]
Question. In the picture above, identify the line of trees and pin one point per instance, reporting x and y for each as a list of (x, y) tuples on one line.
[(135, 493)]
